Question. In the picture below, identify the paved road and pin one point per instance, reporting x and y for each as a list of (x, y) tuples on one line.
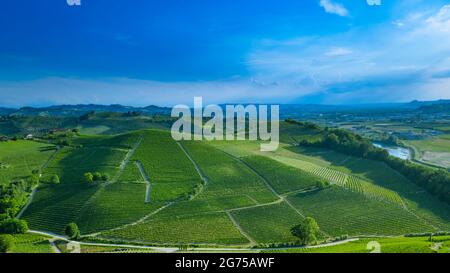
[(173, 249), (146, 180)]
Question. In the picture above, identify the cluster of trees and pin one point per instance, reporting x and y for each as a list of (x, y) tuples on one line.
[(304, 124), (196, 190), (14, 195), (12, 199), (307, 231), (435, 181), (96, 177), (6, 243), (72, 231)]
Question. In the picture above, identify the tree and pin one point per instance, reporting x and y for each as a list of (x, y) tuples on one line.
[(13, 226), (321, 184), (97, 176), (307, 231), (89, 177), (6, 243), (105, 177), (72, 231), (55, 179)]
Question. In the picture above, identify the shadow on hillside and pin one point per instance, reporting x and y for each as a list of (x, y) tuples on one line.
[(47, 148)]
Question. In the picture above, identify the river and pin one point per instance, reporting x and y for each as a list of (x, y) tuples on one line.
[(397, 151)]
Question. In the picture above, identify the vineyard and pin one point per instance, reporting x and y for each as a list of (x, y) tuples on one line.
[(70, 164), (54, 207), (209, 228), (115, 205), (223, 193), (268, 224), (342, 212), (171, 174), (283, 178), (228, 178)]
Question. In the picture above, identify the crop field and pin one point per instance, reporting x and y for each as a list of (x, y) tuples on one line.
[(208, 228), (268, 224), (440, 244), (19, 158), (342, 212)]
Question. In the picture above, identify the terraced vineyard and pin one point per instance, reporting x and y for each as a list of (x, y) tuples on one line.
[(115, 205), (53, 207), (282, 178), (269, 224), (208, 228), (171, 173), (342, 212), (228, 178)]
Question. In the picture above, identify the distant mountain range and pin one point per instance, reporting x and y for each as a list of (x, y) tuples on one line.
[(81, 109)]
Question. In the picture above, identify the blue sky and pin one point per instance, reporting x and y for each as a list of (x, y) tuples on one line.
[(145, 52)]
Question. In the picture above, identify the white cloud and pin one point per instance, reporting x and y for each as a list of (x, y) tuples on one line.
[(441, 20), (382, 64), (338, 51), (374, 2), (334, 8), (135, 92)]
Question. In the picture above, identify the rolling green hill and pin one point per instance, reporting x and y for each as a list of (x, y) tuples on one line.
[(224, 193)]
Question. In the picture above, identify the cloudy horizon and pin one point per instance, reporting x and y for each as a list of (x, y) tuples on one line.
[(316, 51)]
